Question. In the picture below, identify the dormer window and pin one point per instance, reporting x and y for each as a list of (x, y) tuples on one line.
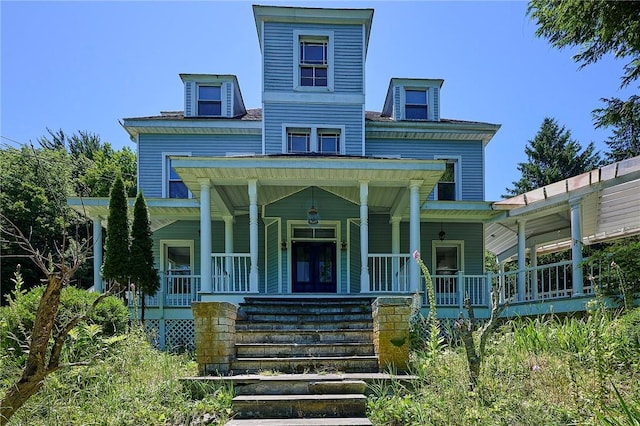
[(209, 101), (314, 138), (298, 140), (329, 141), (313, 62), (415, 107)]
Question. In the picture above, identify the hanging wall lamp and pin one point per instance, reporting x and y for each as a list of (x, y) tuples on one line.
[(441, 234), (313, 217)]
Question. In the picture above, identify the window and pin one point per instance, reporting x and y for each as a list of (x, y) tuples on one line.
[(313, 139), (447, 183), (329, 141), (299, 140), (209, 101), (313, 63), (415, 104), (177, 188)]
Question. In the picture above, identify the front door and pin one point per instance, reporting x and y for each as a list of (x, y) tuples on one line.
[(314, 267)]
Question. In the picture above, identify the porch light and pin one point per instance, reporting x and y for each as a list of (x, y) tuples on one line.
[(441, 234), (343, 246), (313, 217), (283, 245)]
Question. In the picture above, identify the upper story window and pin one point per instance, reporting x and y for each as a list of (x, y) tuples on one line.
[(209, 101), (177, 188), (313, 63), (415, 107), (313, 66), (314, 139), (447, 188)]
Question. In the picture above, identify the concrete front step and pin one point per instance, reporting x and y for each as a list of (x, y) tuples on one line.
[(304, 336), (299, 406), (347, 364), (252, 350), (300, 317), (310, 325), (341, 421)]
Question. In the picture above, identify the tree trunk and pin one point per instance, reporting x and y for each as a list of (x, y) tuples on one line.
[(18, 394)]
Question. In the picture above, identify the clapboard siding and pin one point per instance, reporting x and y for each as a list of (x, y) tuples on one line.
[(379, 234), (151, 147), (471, 153), (276, 114), (279, 48)]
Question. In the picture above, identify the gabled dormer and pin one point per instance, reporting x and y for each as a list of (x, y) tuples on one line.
[(212, 96), (413, 99)]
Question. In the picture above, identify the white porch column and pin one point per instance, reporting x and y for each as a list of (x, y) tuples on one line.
[(414, 232), (501, 282), (521, 260), (253, 234), (395, 249), (228, 248), (205, 237), (97, 254), (365, 284), (576, 246)]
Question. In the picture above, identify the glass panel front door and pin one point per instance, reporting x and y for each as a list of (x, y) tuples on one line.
[(314, 267)]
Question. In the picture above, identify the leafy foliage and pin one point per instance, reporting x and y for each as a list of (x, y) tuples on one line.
[(553, 156), (116, 265), (624, 118)]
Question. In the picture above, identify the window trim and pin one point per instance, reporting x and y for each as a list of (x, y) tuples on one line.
[(300, 36), (457, 173), (165, 171), (314, 131), (459, 244), (405, 103)]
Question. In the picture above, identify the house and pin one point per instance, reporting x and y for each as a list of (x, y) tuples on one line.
[(312, 195)]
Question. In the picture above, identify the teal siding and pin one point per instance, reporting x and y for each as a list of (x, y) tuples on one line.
[(279, 50), (471, 233), (471, 152), (151, 147), (271, 265), (379, 234), (276, 114), (354, 257)]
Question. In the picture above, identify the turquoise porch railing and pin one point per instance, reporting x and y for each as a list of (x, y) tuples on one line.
[(230, 272), (389, 273)]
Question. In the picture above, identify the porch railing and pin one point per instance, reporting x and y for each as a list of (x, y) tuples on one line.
[(181, 290), (389, 273), (230, 272), (449, 292)]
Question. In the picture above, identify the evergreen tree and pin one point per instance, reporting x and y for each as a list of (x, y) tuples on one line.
[(143, 272), (624, 118), (553, 156), (116, 257)]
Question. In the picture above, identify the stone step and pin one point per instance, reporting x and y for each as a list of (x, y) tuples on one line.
[(314, 325), (307, 317), (307, 308), (295, 386), (347, 364), (299, 406), (336, 421), (306, 301), (250, 350), (304, 336)]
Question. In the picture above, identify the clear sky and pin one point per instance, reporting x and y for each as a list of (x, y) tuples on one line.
[(86, 65)]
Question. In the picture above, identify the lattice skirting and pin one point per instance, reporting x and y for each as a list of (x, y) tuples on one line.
[(179, 335), (152, 330)]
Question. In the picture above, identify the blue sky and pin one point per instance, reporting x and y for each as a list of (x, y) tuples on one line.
[(86, 65)]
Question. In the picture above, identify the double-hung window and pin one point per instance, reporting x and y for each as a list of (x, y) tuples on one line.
[(314, 62), (448, 185), (416, 106), (209, 101), (173, 185), (311, 139)]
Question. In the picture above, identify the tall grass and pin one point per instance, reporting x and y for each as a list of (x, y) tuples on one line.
[(133, 384)]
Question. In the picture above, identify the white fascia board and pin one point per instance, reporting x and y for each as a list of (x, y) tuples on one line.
[(217, 126), (476, 206), (312, 97)]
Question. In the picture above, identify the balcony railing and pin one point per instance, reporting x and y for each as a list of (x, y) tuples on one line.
[(389, 273)]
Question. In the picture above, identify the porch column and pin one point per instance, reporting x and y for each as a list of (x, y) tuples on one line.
[(414, 233), (228, 248), (205, 236), (521, 260), (533, 254), (97, 254), (253, 234), (576, 246), (365, 284), (395, 249)]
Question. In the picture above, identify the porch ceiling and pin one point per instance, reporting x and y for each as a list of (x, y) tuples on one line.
[(609, 199), (281, 176)]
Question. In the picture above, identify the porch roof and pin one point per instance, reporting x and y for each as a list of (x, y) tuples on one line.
[(610, 204), (280, 176)]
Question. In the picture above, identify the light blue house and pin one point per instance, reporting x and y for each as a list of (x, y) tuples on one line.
[(313, 195)]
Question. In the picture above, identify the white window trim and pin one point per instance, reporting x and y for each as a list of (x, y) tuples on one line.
[(447, 243), (165, 171), (223, 98), (403, 102), (301, 34), (457, 160), (313, 128), (176, 243)]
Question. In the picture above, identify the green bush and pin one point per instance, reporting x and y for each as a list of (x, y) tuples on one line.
[(110, 315)]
